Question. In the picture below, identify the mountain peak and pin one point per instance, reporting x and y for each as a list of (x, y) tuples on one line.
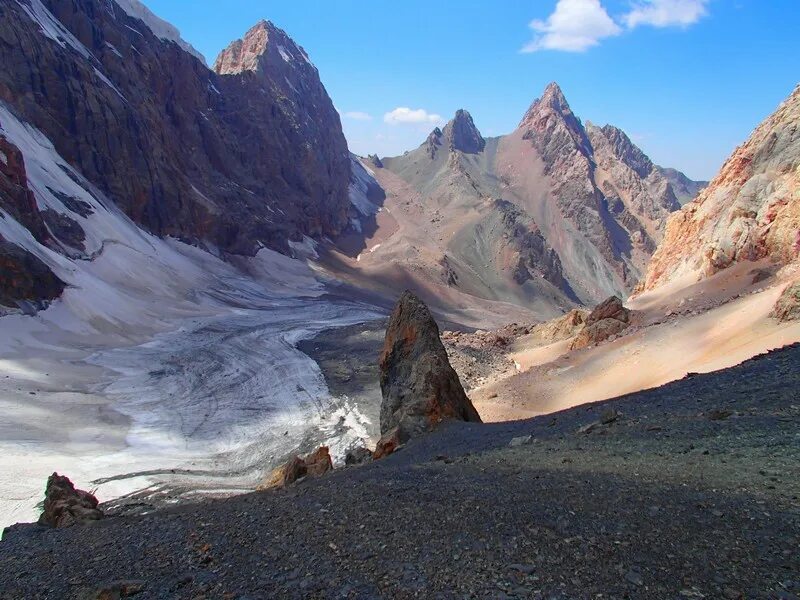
[(263, 46), (461, 133)]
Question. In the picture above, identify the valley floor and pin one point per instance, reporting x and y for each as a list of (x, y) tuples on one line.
[(690, 490)]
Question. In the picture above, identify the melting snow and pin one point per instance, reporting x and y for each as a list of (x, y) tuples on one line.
[(284, 54), (161, 364), (113, 49), (360, 181), (158, 26)]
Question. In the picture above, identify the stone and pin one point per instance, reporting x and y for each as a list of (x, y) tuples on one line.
[(315, 464), (787, 307), (608, 319), (389, 443), (419, 387), (522, 440), (358, 456), (65, 506)]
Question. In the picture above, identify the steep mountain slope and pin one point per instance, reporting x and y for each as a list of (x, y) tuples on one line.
[(751, 209), (552, 215), (235, 159), (685, 189)]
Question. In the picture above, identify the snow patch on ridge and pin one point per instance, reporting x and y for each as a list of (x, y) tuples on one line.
[(158, 26), (51, 27)]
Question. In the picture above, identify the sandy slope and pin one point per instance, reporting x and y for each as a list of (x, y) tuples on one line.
[(677, 331)]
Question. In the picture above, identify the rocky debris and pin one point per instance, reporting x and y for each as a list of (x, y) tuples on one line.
[(116, 590), (749, 211), (315, 464), (462, 135), (389, 443), (608, 319), (419, 387), (458, 513), (204, 156), (787, 307), (65, 506), (25, 281), (358, 456)]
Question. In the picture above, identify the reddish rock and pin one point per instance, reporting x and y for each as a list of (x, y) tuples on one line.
[(389, 442), (787, 307), (25, 279), (314, 465), (608, 319), (420, 388), (65, 506)]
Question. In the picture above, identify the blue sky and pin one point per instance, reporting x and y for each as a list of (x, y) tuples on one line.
[(688, 80)]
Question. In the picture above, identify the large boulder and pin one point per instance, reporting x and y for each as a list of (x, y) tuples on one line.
[(314, 465), (607, 319), (787, 308), (420, 388), (65, 506)]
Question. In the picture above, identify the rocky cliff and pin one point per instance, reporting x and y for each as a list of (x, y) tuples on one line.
[(248, 155), (749, 211)]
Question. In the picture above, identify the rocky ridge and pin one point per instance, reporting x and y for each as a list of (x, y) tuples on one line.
[(234, 159), (749, 211)]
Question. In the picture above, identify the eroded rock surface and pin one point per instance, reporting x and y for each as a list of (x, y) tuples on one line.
[(315, 464), (749, 211), (607, 319), (65, 506), (787, 308), (420, 388)]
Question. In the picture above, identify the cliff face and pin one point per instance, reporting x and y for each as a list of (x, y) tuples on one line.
[(250, 155), (749, 211)]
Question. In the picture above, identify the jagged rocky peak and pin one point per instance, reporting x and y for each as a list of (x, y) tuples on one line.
[(626, 150), (550, 116), (433, 142), (462, 135), (263, 45)]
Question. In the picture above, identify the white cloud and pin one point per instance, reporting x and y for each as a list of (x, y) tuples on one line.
[(403, 114), (666, 13), (357, 115), (574, 26)]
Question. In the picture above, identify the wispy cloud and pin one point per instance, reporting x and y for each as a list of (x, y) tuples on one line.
[(577, 25), (574, 26), (357, 115), (666, 13), (403, 114)]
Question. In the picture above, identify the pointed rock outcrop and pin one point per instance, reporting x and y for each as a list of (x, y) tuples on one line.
[(462, 135), (420, 388), (607, 319), (65, 506)]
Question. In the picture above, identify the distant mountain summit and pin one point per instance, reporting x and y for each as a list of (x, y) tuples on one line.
[(555, 214)]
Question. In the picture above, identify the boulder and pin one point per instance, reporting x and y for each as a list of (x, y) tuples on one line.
[(607, 319), (420, 389), (65, 506), (314, 465), (357, 456), (787, 307)]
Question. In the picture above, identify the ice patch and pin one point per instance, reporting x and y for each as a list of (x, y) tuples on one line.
[(3, 158), (284, 54), (360, 182), (158, 26), (113, 48), (51, 26), (306, 249)]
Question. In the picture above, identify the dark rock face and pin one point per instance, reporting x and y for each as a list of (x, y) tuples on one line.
[(462, 135), (252, 154), (375, 161), (25, 280), (16, 198), (433, 142), (420, 388), (607, 319), (65, 506)]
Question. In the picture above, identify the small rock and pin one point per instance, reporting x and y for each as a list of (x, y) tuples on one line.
[(634, 577), (522, 440)]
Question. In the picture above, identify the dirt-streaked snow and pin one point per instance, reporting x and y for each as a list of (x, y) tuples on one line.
[(161, 366)]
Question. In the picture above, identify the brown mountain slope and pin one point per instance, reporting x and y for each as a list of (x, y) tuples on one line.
[(548, 217), (751, 210)]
